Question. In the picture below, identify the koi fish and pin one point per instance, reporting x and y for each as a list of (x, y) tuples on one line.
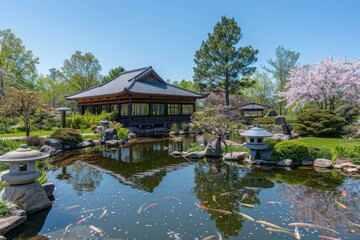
[(96, 229), (140, 210), (279, 230), (225, 194), (246, 205), (244, 196), (263, 223), (353, 224), (67, 228), (273, 202), (201, 206), (209, 237), (91, 210), (340, 204), (226, 212), (297, 233), (328, 238), (214, 199), (150, 205), (83, 219), (173, 197), (219, 236), (344, 193), (71, 207), (103, 214), (309, 225), (244, 216)]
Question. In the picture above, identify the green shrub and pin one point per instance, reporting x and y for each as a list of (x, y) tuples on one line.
[(349, 152), (270, 142), (292, 149), (67, 136), (320, 123), (34, 141), (276, 157), (322, 153), (195, 147), (4, 208), (264, 120), (123, 133), (86, 120)]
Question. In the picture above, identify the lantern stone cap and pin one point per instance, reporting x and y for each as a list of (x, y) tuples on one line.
[(63, 108), (256, 132), (104, 121), (23, 155)]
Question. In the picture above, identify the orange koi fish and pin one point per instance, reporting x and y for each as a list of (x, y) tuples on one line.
[(173, 197), (209, 237), (150, 205), (328, 238), (201, 206), (344, 193), (83, 219), (309, 225), (340, 204)]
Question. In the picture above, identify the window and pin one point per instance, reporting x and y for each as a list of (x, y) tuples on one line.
[(158, 109), (259, 140), (173, 109), (187, 109), (124, 110), (114, 108), (105, 108), (97, 109), (140, 109)]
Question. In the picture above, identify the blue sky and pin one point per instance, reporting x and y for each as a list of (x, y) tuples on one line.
[(166, 34)]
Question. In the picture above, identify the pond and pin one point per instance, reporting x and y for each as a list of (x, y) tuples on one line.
[(141, 192)]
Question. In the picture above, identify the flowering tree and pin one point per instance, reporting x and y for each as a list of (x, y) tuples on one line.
[(326, 83)]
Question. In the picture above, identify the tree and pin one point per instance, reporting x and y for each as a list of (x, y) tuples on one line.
[(52, 87), (23, 103), (15, 59), (112, 74), (187, 84), (280, 67), (262, 91), (219, 62), (327, 84), (81, 71)]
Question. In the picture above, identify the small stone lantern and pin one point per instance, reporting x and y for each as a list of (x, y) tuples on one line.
[(23, 190), (22, 165), (105, 124), (63, 111), (256, 141)]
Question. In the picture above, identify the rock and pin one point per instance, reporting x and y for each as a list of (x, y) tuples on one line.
[(271, 113), (176, 154), (116, 137), (56, 144), (236, 155), (285, 163), (11, 220), (96, 142), (173, 133), (348, 165), (183, 132), (294, 135), (30, 197), (280, 120), (351, 170), (259, 162), (213, 148), (132, 135), (85, 144), (322, 170), (337, 166), (307, 162), (2, 238), (99, 129), (341, 160), (280, 137), (49, 188), (248, 161), (113, 143), (194, 155), (323, 163), (109, 134), (49, 149)]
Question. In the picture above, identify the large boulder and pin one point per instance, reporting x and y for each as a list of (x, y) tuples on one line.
[(213, 148), (194, 155), (86, 143), (236, 156), (54, 143), (30, 197), (109, 134), (322, 163), (49, 188), (11, 220), (49, 150), (280, 121), (285, 163), (131, 135), (112, 143), (307, 162), (280, 137)]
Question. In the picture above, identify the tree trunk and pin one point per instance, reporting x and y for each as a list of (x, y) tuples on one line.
[(227, 97)]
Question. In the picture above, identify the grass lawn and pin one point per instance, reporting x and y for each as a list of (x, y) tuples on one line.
[(38, 133), (329, 142)]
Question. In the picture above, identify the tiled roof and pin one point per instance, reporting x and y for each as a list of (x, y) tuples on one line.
[(133, 82), (254, 106)]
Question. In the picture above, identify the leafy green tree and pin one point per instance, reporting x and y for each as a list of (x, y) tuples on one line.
[(81, 71), (187, 84), (262, 91), (15, 59), (112, 74), (52, 88), (280, 67), (220, 63)]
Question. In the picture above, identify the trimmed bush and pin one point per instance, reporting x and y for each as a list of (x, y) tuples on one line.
[(123, 133), (293, 149), (320, 123), (67, 136)]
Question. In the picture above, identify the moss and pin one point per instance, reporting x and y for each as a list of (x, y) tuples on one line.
[(4, 208), (67, 136)]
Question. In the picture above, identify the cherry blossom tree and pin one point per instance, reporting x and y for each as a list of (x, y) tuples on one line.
[(327, 84)]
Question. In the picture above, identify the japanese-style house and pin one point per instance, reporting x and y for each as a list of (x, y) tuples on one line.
[(141, 98), (252, 110)]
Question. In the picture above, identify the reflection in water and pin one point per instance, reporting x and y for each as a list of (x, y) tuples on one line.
[(121, 180)]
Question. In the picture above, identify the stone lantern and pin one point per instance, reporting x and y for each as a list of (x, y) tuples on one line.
[(256, 143), (63, 111), (23, 189), (105, 124)]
